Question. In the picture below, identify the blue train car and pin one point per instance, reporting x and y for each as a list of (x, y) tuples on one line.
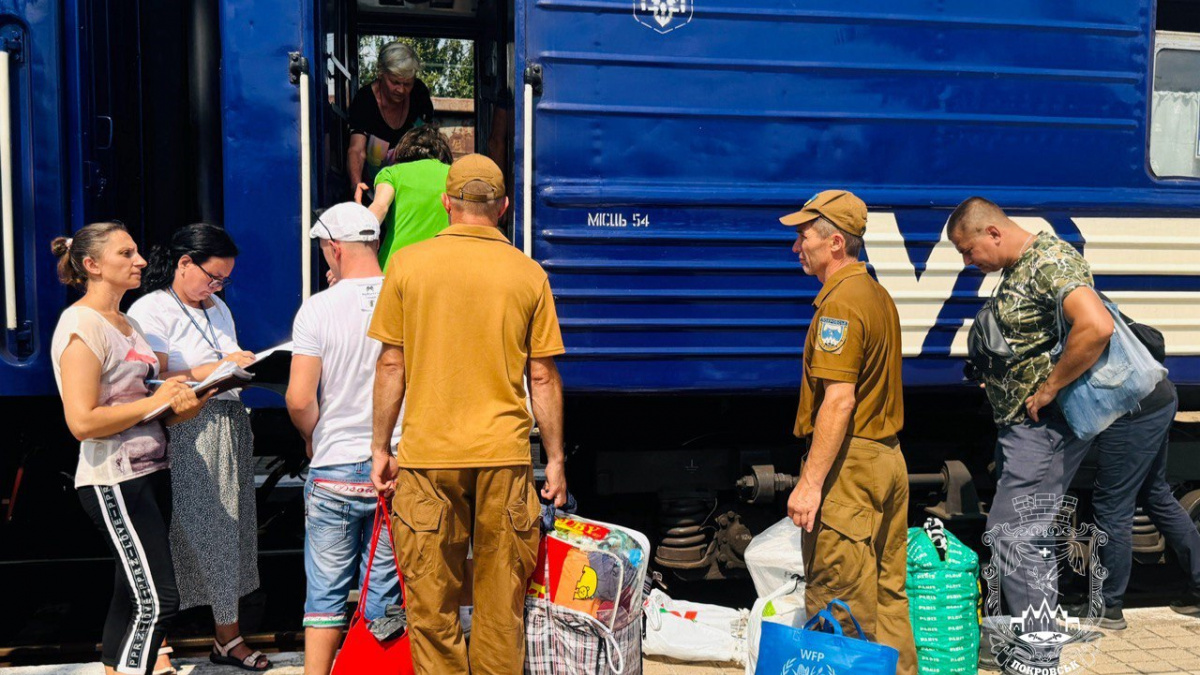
[(652, 145), (661, 161)]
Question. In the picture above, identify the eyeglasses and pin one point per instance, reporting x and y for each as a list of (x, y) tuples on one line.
[(215, 283), (327, 230)]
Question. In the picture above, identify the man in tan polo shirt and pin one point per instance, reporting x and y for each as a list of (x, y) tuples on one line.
[(852, 496), (462, 317)]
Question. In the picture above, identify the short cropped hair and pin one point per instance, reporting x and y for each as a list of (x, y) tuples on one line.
[(854, 243), (399, 60), (971, 216), (490, 210)]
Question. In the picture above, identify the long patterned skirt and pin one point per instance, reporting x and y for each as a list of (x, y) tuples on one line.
[(214, 525)]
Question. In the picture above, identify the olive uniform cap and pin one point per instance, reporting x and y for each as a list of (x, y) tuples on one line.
[(845, 211)]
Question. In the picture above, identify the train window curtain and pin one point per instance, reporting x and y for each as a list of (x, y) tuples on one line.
[(1175, 134)]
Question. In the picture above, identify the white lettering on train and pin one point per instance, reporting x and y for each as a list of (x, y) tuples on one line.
[(1113, 246), (601, 219), (607, 220)]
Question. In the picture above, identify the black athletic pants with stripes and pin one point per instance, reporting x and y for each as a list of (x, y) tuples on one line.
[(134, 517)]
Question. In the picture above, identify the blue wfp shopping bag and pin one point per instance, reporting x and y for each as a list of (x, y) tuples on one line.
[(820, 648)]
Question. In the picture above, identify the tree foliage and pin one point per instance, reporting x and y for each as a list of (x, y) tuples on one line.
[(447, 66)]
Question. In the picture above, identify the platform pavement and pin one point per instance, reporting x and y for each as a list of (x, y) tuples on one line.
[(1157, 641)]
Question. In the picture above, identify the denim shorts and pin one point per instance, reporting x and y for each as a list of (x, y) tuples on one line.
[(339, 514)]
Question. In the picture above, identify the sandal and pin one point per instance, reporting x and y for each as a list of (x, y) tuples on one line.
[(221, 656), (169, 670)]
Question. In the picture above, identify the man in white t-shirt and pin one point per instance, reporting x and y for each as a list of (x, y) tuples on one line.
[(331, 349)]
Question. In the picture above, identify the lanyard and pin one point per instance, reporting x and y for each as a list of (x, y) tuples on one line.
[(212, 342)]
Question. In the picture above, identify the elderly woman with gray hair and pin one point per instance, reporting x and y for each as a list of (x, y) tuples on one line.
[(383, 111)]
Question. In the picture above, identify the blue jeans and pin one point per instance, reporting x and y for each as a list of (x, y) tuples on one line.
[(1132, 470), (339, 514)]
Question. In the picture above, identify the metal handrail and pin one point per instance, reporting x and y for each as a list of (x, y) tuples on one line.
[(6, 195), (305, 190), (527, 174)]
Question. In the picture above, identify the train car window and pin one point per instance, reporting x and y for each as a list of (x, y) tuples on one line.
[(1175, 106), (339, 61), (338, 81), (448, 69)]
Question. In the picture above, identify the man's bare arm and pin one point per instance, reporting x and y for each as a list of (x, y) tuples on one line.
[(387, 398), (301, 396), (1091, 329), (829, 432), (545, 391)]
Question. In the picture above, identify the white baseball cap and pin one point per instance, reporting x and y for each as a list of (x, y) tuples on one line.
[(347, 221)]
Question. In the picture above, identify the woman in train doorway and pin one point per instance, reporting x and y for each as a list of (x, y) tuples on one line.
[(408, 194), (383, 111), (101, 363), (214, 529)]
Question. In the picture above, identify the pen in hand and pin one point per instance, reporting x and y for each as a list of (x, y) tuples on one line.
[(158, 383)]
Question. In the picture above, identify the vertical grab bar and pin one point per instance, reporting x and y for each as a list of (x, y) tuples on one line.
[(305, 192), (305, 182), (533, 87), (6, 194), (527, 174)]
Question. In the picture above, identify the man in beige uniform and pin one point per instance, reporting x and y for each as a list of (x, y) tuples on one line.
[(462, 317), (852, 497)]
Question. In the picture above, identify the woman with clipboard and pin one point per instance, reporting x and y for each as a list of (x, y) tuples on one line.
[(101, 361), (214, 529)]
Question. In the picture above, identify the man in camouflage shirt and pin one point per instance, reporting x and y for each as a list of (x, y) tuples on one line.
[(1036, 452), (1025, 300)]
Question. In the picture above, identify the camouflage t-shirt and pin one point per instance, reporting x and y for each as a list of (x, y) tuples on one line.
[(1026, 311)]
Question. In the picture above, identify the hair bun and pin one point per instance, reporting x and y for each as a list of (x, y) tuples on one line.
[(88, 241), (60, 246)]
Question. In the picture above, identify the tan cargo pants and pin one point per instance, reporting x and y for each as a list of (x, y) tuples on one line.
[(437, 513), (858, 550)]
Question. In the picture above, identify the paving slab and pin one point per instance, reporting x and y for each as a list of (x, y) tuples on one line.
[(1157, 641), (1112, 669)]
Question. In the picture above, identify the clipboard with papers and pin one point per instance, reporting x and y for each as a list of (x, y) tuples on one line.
[(270, 370)]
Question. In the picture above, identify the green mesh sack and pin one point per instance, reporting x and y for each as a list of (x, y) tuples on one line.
[(943, 600)]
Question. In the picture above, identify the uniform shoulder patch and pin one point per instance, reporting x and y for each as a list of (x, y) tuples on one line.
[(832, 333)]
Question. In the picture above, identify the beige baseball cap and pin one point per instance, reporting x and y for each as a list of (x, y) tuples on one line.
[(847, 212), (475, 178)]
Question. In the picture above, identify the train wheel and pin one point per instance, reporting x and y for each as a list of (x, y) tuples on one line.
[(1191, 504)]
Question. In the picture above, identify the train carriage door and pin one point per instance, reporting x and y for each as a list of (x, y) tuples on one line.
[(106, 122), (495, 83), (32, 154), (271, 78), (340, 71), (465, 48)]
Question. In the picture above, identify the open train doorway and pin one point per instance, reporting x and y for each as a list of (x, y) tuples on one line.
[(466, 52)]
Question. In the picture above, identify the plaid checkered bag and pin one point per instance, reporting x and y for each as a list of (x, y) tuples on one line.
[(562, 641)]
